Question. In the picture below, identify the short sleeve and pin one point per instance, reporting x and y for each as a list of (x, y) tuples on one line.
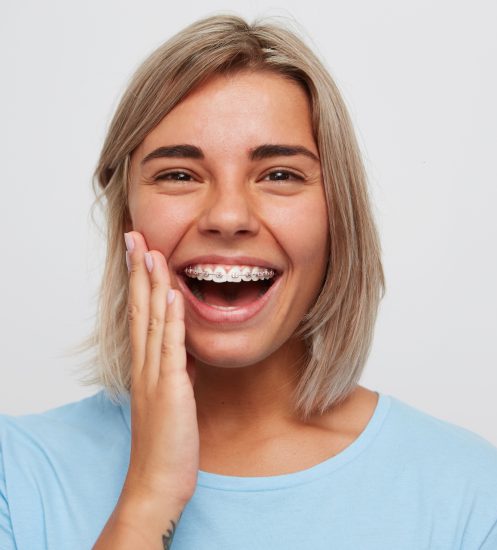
[(7, 541)]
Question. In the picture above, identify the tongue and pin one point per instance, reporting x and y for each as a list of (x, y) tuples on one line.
[(230, 294)]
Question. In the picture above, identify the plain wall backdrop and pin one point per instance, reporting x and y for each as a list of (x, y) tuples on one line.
[(420, 82)]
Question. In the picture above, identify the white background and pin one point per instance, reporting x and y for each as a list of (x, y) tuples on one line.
[(420, 81)]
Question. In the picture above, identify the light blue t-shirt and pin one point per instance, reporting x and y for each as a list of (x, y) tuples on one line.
[(410, 481)]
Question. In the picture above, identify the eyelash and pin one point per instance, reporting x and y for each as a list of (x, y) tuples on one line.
[(286, 172)]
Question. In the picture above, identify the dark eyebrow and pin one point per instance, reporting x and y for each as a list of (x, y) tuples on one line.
[(175, 151), (257, 153), (269, 150)]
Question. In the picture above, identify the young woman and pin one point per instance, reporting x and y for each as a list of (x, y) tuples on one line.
[(233, 330)]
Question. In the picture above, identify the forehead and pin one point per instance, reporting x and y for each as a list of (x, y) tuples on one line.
[(237, 111)]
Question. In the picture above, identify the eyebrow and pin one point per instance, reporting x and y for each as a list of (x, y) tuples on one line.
[(256, 153)]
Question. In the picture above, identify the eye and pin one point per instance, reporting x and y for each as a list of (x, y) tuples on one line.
[(174, 176), (283, 175), (275, 175)]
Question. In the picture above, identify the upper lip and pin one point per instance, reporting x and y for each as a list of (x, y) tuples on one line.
[(229, 260)]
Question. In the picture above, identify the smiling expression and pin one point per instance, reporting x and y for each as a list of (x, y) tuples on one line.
[(245, 184)]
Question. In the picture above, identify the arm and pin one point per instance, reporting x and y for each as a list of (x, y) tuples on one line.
[(135, 523), (164, 460)]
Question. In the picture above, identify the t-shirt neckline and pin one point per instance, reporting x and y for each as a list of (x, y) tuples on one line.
[(258, 483)]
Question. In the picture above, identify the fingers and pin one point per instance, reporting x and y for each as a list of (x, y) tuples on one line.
[(147, 313), (191, 368), (159, 286), (173, 352), (138, 300)]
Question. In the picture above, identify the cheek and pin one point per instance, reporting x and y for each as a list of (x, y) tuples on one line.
[(302, 230), (161, 221)]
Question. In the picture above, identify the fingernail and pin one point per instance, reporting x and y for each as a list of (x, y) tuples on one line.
[(149, 261), (130, 243), (170, 296), (128, 261)]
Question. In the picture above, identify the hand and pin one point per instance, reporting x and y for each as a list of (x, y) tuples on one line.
[(164, 458)]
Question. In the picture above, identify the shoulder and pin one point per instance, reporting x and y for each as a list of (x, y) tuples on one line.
[(427, 437), (77, 415), (62, 430), (446, 470), (455, 468), (70, 459)]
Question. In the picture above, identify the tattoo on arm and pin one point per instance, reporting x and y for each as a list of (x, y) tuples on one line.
[(167, 539)]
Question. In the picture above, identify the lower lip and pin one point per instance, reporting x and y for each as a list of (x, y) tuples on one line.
[(232, 315)]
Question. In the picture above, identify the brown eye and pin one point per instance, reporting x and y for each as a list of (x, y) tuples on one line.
[(283, 175), (174, 176)]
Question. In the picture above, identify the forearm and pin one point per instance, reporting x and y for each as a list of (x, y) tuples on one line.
[(137, 523)]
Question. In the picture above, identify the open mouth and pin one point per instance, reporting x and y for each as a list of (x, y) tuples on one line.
[(229, 294)]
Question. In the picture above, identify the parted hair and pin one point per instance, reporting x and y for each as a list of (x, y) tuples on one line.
[(338, 328)]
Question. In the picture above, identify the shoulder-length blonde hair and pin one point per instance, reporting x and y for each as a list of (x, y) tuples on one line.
[(338, 329)]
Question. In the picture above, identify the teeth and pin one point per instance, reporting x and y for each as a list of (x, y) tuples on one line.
[(255, 274), (234, 274), (220, 275), (207, 274), (246, 274)]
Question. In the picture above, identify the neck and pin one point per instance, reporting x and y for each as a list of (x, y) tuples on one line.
[(250, 399)]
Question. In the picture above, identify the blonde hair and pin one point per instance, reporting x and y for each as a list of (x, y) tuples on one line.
[(338, 329)]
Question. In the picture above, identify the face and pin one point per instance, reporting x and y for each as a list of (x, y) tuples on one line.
[(229, 204)]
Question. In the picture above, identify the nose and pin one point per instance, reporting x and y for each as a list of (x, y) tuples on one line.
[(229, 213)]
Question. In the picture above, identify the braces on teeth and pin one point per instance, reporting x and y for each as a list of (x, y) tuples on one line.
[(225, 276)]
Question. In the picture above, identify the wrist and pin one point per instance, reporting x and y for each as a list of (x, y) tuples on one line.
[(146, 514)]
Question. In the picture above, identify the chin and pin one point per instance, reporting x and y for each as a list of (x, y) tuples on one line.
[(229, 359), (225, 352)]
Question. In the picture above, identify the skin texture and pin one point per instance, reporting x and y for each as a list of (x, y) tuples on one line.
[(209, 396), (227, 204)]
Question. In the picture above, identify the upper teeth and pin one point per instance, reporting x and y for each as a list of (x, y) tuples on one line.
[(232, 274)]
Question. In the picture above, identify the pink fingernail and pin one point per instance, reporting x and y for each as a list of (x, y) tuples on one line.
[(170, 296), (149, 261), (130, 243), (128, 261)]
